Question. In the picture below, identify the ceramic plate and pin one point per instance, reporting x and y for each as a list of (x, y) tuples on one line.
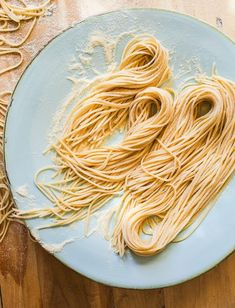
[(194, 47)]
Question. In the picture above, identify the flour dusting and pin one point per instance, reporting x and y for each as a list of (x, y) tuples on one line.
[(58, 121), (50, 10), (23, 191), (52, 248), (189, 66), (57, 247)]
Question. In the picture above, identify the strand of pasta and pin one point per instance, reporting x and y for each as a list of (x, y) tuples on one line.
[(11, 51), (6, 204), (174, 194), (9, 14)]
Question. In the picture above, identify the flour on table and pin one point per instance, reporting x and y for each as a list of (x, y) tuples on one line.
[(50, 10)]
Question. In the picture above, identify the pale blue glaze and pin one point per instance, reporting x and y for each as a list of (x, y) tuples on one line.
[(42, 90)]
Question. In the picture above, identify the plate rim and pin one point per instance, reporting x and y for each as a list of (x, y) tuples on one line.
[(89, 18)]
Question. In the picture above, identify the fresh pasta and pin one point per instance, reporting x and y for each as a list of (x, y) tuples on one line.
[(177, 153), (6, 203), (176, 181), (144, 64), (126, 97), (100, 173), (11, 18)]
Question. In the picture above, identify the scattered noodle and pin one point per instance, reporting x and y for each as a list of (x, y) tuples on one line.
[(9, 14), (6, 203), (11, 51)]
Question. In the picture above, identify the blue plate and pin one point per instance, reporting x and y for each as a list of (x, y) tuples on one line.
[(41, 91)]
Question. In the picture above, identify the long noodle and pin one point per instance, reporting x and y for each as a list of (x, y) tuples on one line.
[(175, 193), (100, 173), (6, 203), (173, 161), (144, 63)]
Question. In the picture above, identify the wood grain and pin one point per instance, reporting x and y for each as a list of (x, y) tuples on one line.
[(30, 277)]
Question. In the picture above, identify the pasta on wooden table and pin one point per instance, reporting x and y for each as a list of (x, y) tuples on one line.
[(6, 205), (12, 14)]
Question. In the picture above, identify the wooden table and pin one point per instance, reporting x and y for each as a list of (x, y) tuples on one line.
[(32, 278)]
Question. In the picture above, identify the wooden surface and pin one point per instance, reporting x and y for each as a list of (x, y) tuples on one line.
[(30, 277)]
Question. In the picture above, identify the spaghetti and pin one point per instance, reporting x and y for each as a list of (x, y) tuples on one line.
[(144, 64), (93, 176), (173, 161), (11, 18), (129, 90), (174, 183), (6, 203)]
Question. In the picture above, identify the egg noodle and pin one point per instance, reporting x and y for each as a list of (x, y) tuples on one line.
[(129, 92), (176, 155), (176, 181), (144, 64)]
